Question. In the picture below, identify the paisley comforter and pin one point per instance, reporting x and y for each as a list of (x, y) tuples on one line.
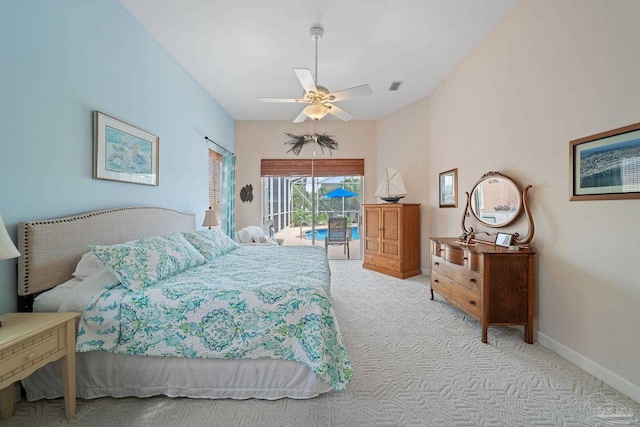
[(254, 302)]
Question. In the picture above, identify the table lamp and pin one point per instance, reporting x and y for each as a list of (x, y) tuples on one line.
[(7, 248), (210, 219)]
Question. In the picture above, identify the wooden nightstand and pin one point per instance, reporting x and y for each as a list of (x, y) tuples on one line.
[(29, 341)]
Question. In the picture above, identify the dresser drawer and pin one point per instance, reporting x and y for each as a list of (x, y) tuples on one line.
[(468, 278), (31, 351), (458, 295), (453, 255), (383, 262)]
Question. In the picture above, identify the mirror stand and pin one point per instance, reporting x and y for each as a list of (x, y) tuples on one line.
[(480, 195)]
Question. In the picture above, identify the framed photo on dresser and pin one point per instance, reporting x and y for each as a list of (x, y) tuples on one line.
[(504, 239)]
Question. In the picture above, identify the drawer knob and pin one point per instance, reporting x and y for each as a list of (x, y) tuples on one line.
[(436, 263), (464, 257), (471, 279), (436, 280), (472, 302), (392, 263)]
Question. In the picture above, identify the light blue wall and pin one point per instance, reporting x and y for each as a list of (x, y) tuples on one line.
[(59, 61)]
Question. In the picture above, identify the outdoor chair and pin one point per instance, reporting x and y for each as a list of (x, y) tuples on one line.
[(338, 234)]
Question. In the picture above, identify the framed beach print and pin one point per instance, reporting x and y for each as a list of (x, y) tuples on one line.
[(449, 189), (122, 152), (606, 166)]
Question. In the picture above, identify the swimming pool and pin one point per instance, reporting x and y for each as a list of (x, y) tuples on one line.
[(321, 233)]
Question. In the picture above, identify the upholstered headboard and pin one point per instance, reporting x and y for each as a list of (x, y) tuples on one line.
[(51, 248)]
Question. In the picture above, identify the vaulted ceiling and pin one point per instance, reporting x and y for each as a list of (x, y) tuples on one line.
[(239, 50)]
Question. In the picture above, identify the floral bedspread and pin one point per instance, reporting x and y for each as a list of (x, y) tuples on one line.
[(254, 302)]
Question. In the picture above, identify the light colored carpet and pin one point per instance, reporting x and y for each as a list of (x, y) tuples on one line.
[(417, 362)]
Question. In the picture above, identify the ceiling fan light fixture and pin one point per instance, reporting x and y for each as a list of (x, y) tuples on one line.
[(319, 96), (316, 111)]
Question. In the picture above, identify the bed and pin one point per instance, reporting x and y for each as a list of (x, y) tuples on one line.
[(248, 322)]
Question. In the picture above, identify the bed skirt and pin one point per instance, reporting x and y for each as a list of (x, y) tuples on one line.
[(101, 374)]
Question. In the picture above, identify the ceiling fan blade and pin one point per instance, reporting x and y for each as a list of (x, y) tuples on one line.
[(339, 112), (362, 90), (306, 79), (301, 117), (280, 100)]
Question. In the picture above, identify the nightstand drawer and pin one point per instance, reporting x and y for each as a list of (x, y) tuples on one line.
[(28, 353)]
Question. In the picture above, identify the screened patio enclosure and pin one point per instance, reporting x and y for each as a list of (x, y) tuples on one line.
[(297, 208)]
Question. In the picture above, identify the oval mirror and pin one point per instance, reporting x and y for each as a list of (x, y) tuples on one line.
[(496, 200)]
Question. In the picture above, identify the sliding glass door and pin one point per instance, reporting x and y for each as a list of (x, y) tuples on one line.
[(299, 207)]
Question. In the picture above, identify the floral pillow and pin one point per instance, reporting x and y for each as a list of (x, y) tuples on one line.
[(211, 242), (146, 261)]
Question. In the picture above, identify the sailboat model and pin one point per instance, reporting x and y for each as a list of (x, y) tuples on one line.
[(391, 187)]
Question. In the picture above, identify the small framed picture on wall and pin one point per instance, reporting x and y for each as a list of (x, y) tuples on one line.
[(449, 189)]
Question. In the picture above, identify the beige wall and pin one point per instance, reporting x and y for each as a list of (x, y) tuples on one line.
[(402, 145), (255, 140), (551, 72)]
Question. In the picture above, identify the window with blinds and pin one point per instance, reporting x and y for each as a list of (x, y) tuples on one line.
[(215, 183)]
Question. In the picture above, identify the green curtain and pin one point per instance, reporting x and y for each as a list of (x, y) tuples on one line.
[(228, 194)]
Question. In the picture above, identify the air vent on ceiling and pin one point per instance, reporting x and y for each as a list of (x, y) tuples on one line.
[(395, 85)]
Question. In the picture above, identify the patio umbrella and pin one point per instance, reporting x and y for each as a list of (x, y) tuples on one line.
[(340, 192)]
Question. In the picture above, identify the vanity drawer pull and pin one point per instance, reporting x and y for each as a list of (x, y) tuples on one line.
[(392, 263), (464, 257), (436, 281), (471, 279), (436, 263), (472, 302)]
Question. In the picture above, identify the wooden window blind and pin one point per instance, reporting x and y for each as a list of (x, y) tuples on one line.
[(303, 167), (215, 183)]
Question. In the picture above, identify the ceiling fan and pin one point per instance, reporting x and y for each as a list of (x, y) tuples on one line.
[(319, 97)]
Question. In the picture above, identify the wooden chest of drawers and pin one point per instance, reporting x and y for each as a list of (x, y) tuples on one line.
[(491, 284)]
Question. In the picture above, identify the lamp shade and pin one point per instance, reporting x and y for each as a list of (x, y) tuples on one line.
[(316, 111), (7, 248), (210, 219)]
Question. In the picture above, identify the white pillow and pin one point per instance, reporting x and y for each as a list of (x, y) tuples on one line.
[(51, 300), (91, 287), (88, 264)]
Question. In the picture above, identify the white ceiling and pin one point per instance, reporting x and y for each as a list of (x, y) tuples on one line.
[(239, 50)]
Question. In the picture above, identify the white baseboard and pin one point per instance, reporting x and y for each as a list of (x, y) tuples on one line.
[(607, 376), (611, 378)]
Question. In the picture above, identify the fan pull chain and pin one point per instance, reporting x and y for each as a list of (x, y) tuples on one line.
[(315, 135)]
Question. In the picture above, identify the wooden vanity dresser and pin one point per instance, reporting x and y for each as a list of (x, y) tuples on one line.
[(491, 284)]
